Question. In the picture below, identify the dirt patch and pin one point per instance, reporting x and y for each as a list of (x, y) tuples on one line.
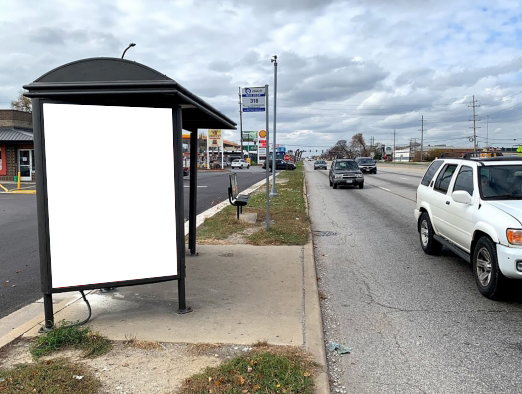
[(161, 368), (234, 239)]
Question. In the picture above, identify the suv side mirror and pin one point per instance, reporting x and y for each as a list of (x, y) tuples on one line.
[(461, 196)]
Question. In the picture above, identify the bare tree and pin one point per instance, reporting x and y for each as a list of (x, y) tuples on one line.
[(340, 150), (358, 145), (22, 103)]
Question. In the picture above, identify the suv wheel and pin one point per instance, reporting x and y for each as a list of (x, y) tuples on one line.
[(361, 185), (334, 185), (485, 268), (330, 181), (375, 171), (428, 243)]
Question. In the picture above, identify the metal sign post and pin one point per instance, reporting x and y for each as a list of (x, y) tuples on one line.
[(274, 191), (267, 169), (254, 100)]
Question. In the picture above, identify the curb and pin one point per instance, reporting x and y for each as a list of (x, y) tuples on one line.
[(314, 336), (38, 320)]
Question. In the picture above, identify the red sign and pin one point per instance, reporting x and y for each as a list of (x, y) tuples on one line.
[(262, 143), (287, 157)]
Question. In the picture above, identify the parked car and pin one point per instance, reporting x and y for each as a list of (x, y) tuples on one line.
[(367, 164), (345, 172), (320, 164), (280, 165), (240, 163), (474, 208)]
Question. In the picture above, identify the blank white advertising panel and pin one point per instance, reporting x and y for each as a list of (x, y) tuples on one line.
[(111, 194)]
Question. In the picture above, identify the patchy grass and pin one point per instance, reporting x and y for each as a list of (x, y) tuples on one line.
[(57, 376), (264, 370), (289, 222), (222, 225), (144, 345), (66, 336)]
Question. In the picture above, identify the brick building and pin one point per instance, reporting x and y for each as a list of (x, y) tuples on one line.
[(16, 145)]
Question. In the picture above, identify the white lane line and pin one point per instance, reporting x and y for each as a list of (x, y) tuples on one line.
[(383, 188), (196, 186), (405, 178)]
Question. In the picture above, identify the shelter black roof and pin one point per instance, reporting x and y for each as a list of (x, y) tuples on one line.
[(114, 81)]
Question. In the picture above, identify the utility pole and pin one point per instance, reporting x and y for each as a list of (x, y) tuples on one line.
[(393, 154), (240, 122), (422, 136), (474, 105), (487, 133)]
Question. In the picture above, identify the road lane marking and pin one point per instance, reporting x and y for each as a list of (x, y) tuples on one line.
[(196, 186), (383, 188), (404, 178)]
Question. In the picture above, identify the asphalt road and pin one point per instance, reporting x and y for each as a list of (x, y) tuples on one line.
[(19, 261), (415, 323)]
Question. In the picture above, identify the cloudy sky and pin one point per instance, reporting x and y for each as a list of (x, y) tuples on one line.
[(344, 67)]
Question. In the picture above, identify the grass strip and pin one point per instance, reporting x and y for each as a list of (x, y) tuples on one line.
[(57, 376), (289, 222), (66, 336), (287, 370)]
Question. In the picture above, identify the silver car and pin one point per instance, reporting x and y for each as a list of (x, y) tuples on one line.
[(320, 164)]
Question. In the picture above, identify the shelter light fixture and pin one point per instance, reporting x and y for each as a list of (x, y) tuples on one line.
[(126, 49)]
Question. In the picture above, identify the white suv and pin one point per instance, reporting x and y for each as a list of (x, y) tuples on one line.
[(474, 208), (240, 163)]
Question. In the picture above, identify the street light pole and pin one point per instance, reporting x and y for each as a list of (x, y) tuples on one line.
[(130, 45), (274, 192)]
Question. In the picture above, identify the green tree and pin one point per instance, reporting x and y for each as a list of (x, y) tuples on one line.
[(22, 103)]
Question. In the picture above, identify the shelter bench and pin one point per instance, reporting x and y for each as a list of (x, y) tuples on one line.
[(236, 199)]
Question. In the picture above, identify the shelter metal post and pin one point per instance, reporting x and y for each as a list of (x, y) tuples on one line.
[(48, 311), (178, 179), (193, 189), (43, 219)]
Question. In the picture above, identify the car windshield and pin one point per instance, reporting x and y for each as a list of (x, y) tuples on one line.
[(501, 182), (365, 161), (346, 165), (320, 162), (235, 161)]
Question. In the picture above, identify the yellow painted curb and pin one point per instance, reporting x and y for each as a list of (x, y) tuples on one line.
[(5, 190), (22, 191)]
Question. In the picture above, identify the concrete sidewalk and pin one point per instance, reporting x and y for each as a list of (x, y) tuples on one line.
[(240, 294)]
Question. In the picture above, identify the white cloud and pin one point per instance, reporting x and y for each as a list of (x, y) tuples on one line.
[(344, 66)]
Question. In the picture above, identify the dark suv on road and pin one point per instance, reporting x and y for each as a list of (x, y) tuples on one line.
[(367, 164), (345, 172)]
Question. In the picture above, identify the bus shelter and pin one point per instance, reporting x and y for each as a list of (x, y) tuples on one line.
[(103, 126)]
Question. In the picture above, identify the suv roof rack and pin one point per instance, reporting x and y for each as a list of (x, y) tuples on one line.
[(497, 158)]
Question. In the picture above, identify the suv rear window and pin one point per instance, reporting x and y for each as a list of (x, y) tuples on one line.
[(432, 169), (444, 178)]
